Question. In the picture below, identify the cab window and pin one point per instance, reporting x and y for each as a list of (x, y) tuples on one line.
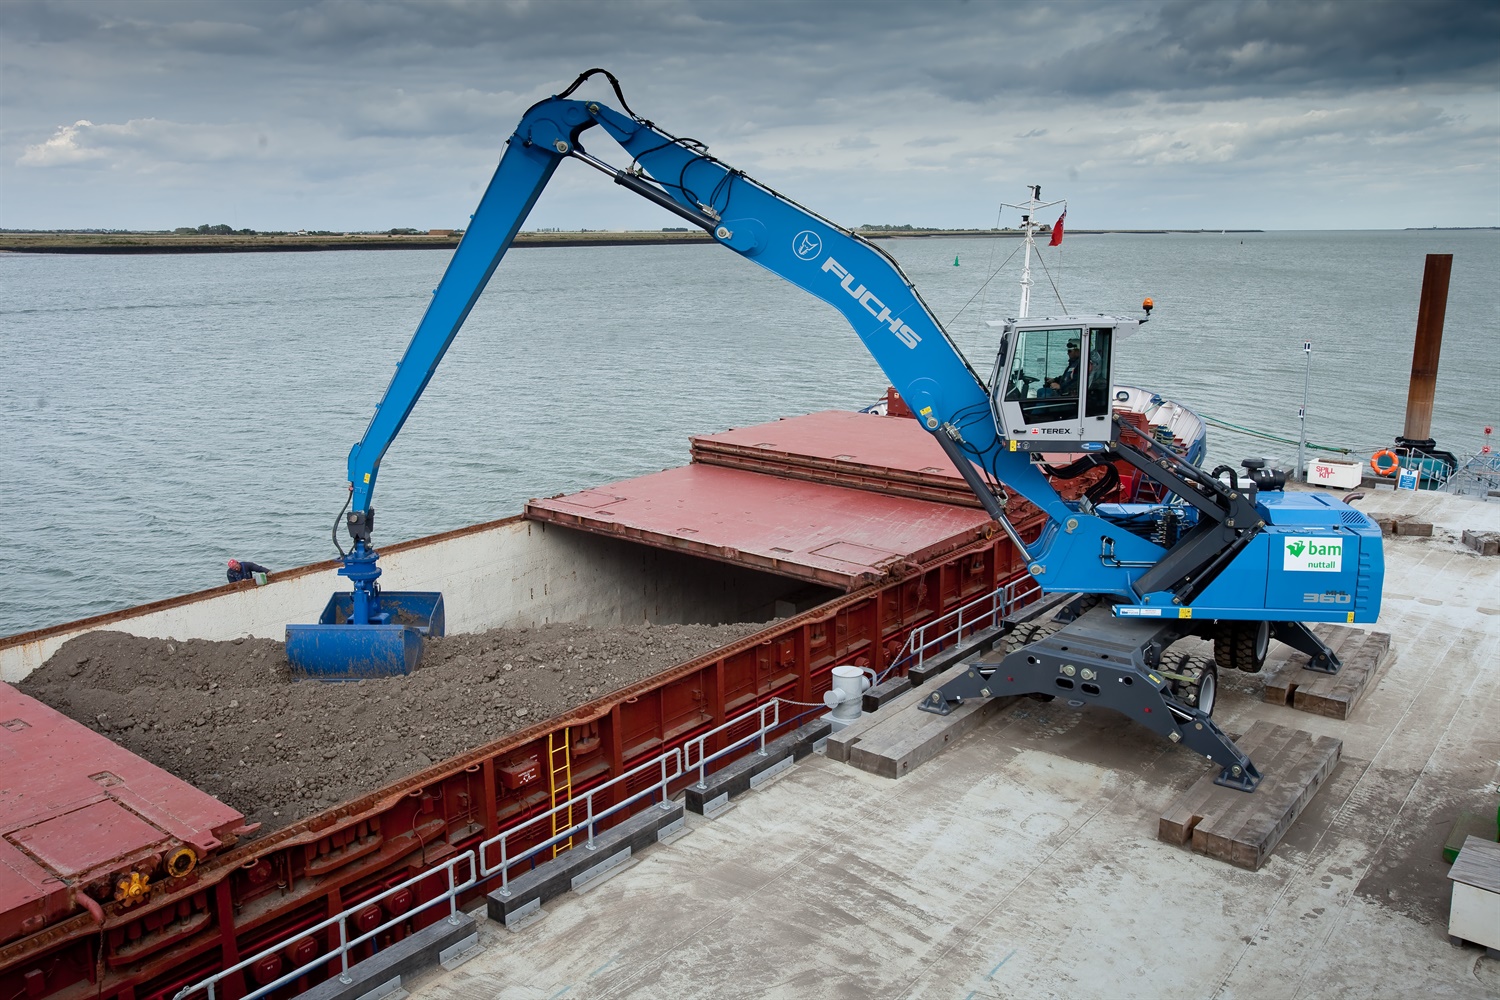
[(1046, 375)]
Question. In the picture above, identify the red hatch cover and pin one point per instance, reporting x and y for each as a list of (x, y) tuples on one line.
[(845, 538), (886, 454), (83, 839), (76, 808)]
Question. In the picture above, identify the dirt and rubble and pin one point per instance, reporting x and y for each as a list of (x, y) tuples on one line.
[(228, 718)]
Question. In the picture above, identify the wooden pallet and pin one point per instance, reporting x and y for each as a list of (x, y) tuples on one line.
[(1244, 828), (1289, 682)]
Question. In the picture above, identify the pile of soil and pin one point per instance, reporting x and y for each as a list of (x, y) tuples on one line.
[(228, 718)]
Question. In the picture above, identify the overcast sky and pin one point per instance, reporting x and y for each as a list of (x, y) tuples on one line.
[(279, 114)]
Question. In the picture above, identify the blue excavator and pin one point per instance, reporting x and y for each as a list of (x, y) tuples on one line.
[(1237, 560)]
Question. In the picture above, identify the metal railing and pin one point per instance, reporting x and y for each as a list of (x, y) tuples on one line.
[(346, 944), (773, 707), (978, 613), (669, 765)]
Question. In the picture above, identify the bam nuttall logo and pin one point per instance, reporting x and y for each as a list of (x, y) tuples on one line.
[(1313, 555)]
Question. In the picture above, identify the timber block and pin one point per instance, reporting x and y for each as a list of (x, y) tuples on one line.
[(1413, 528), (1243, 828), (1365, 656), (740, 775), (1486, 543), (1058, 607), (970, 645), (523, 895), (902, 737), (412, 955), (883, 693)]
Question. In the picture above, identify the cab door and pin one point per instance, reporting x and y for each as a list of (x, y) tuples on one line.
[(1098, 389)]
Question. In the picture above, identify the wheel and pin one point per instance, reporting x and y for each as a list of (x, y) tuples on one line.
[(1024, 635), (1242, 645), (1208, 689), (1195, 682)]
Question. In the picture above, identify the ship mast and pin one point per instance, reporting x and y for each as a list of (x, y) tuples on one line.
[(1029, 226)]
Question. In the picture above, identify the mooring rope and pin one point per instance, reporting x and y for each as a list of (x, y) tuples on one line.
[(1226, 425)]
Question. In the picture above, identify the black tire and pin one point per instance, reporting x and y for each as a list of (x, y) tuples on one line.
[(1242, 645), (1199, 686), (1026, 633), (1208, 689)]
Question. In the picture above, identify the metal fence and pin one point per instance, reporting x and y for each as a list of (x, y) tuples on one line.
[(209, 986), (982, 612), (934, 636), (771, 708), (669, 766)]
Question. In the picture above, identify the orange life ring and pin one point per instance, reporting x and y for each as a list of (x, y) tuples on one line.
[(1385, 470)]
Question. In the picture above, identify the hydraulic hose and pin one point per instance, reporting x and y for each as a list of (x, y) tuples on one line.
[(338, 520)]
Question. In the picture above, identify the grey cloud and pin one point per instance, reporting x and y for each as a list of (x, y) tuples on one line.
[(1256, 47), (376, 110)]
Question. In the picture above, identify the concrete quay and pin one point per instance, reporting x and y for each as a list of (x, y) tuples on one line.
[(1023, 860)]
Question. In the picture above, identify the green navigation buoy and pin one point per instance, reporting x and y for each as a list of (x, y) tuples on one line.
[(955, 260)]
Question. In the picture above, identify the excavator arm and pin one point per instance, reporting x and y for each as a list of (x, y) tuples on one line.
[(1241, 560), (858, 279)]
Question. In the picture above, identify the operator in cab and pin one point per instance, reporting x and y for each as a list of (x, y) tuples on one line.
[(1066, 384)]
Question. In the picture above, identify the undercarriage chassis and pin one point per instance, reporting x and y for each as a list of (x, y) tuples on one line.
[(1117, 663)]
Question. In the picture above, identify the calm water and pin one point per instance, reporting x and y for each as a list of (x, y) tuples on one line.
[(159, 414)]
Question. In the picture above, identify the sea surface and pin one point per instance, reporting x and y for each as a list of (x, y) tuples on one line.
[(161, 414)]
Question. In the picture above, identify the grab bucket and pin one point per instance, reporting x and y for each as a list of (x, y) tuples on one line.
[(334, 650)]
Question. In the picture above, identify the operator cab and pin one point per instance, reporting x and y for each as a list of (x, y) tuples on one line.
[(1052, 386)]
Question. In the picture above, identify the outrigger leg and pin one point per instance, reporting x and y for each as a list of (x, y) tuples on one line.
[(1304, 640), (1099, 659)]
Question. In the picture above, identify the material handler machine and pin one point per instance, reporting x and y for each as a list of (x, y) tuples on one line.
[(1237, 560)]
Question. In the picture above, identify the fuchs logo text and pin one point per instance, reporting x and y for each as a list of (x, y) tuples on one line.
[(873, 306)]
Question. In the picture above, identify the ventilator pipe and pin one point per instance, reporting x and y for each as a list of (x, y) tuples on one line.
[(849, 686)]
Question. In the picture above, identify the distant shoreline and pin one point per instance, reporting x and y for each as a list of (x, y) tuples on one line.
[(162, 243)]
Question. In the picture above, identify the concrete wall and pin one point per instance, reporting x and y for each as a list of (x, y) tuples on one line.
[(513, 573)]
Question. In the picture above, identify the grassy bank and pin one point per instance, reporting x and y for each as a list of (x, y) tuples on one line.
[(130, 243)]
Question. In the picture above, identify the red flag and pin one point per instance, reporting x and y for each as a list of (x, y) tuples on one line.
[(1057, 229)]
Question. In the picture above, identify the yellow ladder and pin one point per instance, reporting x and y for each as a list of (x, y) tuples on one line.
[(560, 773)]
